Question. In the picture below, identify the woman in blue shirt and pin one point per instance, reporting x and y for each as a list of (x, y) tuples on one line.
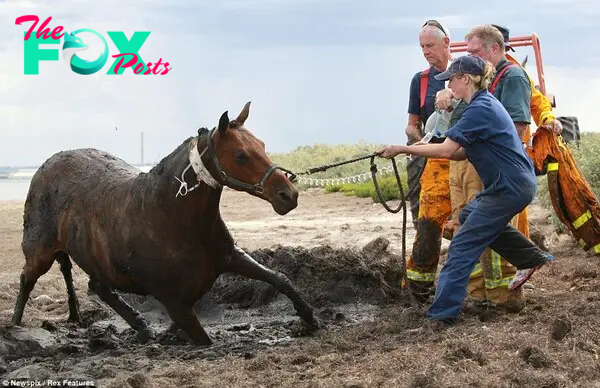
[(487, 136)]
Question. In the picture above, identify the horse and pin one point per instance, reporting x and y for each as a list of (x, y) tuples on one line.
[(158, 233)]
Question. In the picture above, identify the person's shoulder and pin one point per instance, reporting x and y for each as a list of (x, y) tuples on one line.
[(516, 71), (481, 97), (417, 75), (483, 100)]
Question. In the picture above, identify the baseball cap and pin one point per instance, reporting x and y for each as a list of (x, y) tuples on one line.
[(506, 34), (469, 64)]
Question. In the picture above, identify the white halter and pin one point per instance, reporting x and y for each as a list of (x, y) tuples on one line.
[(202, 173)]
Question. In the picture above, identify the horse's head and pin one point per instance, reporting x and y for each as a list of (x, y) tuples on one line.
[(237, 159)]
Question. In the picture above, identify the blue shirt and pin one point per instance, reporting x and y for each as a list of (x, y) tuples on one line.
[(414, 97), (491, 143)]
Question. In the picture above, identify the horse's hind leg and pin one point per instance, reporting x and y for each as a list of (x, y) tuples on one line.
[(128, 313), (242, 264), (65, 267), (35, 266), (184, 317)]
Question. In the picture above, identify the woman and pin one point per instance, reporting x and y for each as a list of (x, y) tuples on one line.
[(485, 135)]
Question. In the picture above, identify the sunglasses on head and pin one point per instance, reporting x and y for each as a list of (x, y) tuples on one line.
[(435, 23)]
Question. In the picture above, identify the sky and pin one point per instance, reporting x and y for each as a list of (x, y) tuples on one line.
[(316, 71)]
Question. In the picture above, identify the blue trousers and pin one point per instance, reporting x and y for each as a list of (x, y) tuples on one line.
[(485, 223)]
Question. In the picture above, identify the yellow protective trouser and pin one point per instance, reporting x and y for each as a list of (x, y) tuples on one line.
[(491, 276), (434, 210)]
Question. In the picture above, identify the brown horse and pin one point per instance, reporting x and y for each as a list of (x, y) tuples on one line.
[(149, 234)]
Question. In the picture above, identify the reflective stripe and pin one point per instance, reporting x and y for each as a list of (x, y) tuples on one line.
[(477, 270), (417, 276), (495, 283), (561, 142), (585, 217), (552, 166), (497, 280), (597, 248), (496, 265), (582, 244), (545, 117)]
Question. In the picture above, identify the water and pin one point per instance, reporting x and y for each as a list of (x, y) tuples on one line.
[(14, 189)]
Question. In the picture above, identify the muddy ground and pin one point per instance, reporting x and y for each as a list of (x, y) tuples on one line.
[(343, 255)]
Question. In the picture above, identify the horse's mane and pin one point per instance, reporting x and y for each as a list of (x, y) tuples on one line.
[(159, 168)]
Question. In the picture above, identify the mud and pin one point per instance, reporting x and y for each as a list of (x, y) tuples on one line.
[(243, 316), (326, 276), (424, 250)]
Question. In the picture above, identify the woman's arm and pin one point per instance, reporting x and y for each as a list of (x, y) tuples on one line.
[(449, 149), (459, 155)]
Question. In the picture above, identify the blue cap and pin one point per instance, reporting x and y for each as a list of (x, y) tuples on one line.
[(505, 34), (469, 64)]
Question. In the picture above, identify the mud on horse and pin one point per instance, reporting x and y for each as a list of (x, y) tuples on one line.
[(148, 234)]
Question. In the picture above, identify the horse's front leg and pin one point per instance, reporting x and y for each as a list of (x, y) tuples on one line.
[(242, 264)]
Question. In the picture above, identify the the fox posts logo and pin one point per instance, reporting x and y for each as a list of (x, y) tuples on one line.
[(128, 56)]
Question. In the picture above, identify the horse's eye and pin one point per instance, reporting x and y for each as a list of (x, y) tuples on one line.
[(240, 157)]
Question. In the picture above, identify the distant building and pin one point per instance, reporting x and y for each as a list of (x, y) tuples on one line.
[(23, 173)]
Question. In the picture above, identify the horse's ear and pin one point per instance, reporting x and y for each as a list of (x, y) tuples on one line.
[(243, 114), (202, 131), (224, 122)]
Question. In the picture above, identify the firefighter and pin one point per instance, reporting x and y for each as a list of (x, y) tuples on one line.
[(487, 135), (434, 194), (541, 108), (514, 88)]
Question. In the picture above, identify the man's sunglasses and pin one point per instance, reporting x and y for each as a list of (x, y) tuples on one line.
[(435, 23)]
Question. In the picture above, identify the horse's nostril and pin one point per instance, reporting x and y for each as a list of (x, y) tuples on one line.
[(285, 196)]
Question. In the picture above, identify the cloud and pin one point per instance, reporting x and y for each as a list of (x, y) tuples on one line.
[(316, 72)]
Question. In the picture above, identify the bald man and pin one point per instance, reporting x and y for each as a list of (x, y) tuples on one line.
[(431, 202)]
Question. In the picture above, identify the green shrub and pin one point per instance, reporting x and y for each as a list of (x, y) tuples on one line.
[(305, 157), (387, 185)]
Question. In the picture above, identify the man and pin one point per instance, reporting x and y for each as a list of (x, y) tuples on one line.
[(541, 108), (514, 88), (434, 41), (434, 195)]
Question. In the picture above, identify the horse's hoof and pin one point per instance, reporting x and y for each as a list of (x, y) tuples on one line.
[(305, 328), (308, 316), (76, 320), (16, 322), (204, 343), (313, 323)]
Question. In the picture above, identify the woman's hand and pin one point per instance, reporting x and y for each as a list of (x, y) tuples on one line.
[(390, 151)]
